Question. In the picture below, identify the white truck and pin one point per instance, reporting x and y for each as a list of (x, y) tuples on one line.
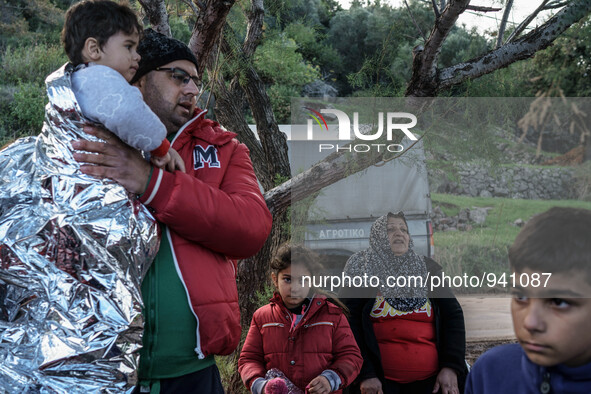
[(338, 224)]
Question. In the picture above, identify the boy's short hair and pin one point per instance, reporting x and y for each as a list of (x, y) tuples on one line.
[(558, 240), (99, 19)]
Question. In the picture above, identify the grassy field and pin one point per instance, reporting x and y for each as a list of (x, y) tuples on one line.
[(484, 248)]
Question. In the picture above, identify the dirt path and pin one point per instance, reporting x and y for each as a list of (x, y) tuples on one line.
[(488, 324), (487, 318)]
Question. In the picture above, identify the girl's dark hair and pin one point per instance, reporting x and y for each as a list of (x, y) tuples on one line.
[(299, 254), (99, 19)]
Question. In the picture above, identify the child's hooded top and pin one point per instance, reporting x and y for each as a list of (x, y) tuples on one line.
[(506, 369)]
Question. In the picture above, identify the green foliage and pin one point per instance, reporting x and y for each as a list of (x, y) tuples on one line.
[(583, 181), (278, 61), (179, 29), (22, 109), (280, 96), (462, 45), (279, 179), (566, 63), (284, 69), (28, 107), (314, 49), (484, 249), (30, 63), (26, 21), (375, 44)]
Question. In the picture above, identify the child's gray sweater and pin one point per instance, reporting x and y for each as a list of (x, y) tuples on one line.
[(106, 97)]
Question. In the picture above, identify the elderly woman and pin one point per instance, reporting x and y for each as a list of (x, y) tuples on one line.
[(412, 340)]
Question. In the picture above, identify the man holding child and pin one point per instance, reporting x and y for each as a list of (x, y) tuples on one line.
[(209, 215)]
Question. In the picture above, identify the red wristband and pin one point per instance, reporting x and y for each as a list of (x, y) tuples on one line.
[(162, 150)]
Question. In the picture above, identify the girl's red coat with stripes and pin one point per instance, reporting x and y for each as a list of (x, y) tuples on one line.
[(322, 340)]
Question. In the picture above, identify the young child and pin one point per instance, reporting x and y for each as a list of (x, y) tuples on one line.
[(301, 336), (100, 38), (551, 313)]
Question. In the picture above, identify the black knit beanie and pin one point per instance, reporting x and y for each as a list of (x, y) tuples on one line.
[(157, 50)]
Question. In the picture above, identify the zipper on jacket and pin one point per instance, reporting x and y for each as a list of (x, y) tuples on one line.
[(273, 325), (185, 126), (320, 323), (545, 387), (197, 349)]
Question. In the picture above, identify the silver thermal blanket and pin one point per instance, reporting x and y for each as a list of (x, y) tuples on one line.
[(73, 252)]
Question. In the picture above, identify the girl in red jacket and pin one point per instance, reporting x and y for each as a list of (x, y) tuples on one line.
[(301, 335)]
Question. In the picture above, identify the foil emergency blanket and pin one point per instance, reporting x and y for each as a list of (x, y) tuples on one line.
[(73, 252)]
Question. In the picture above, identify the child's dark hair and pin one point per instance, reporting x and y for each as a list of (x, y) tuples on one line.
[(99, 19), (557, 240), (299, 254)]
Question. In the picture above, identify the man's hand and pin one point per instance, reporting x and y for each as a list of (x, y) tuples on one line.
[(319, 385), (371, 386), (447, 380), (176, 162), (112, 159), (170, 162)]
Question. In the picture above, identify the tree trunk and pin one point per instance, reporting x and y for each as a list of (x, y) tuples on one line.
[(503, 26), (208, 28), (270, 154), (157, 15), (587, 148), (271, 160), (423, 81)]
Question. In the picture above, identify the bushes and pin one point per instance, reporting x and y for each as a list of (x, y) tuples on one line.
[(583, 181), (30, 64), (28, 107), (23, 73), (24, 108), (284, 69)]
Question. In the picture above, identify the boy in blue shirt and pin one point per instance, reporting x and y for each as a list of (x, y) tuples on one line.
[(551, 318)]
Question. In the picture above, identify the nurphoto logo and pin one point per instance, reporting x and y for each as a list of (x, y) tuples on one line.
[(392, 122)]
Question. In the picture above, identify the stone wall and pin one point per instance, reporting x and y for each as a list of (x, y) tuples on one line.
[(535, 183)]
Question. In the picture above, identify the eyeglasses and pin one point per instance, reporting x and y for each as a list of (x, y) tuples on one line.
[(181, 76)]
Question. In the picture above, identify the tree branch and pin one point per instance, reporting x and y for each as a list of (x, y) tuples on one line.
[(334, 167), (414, 21), (326, 172), (435, 9), (422, 83), (207, 30), (270, 151), (523, 48), (519, 29), (193, 6), (556, 4), (503, 26), (254, 29), (157, 15), (482, 9)]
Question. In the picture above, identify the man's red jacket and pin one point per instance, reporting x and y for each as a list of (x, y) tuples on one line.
[(214, 213)]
